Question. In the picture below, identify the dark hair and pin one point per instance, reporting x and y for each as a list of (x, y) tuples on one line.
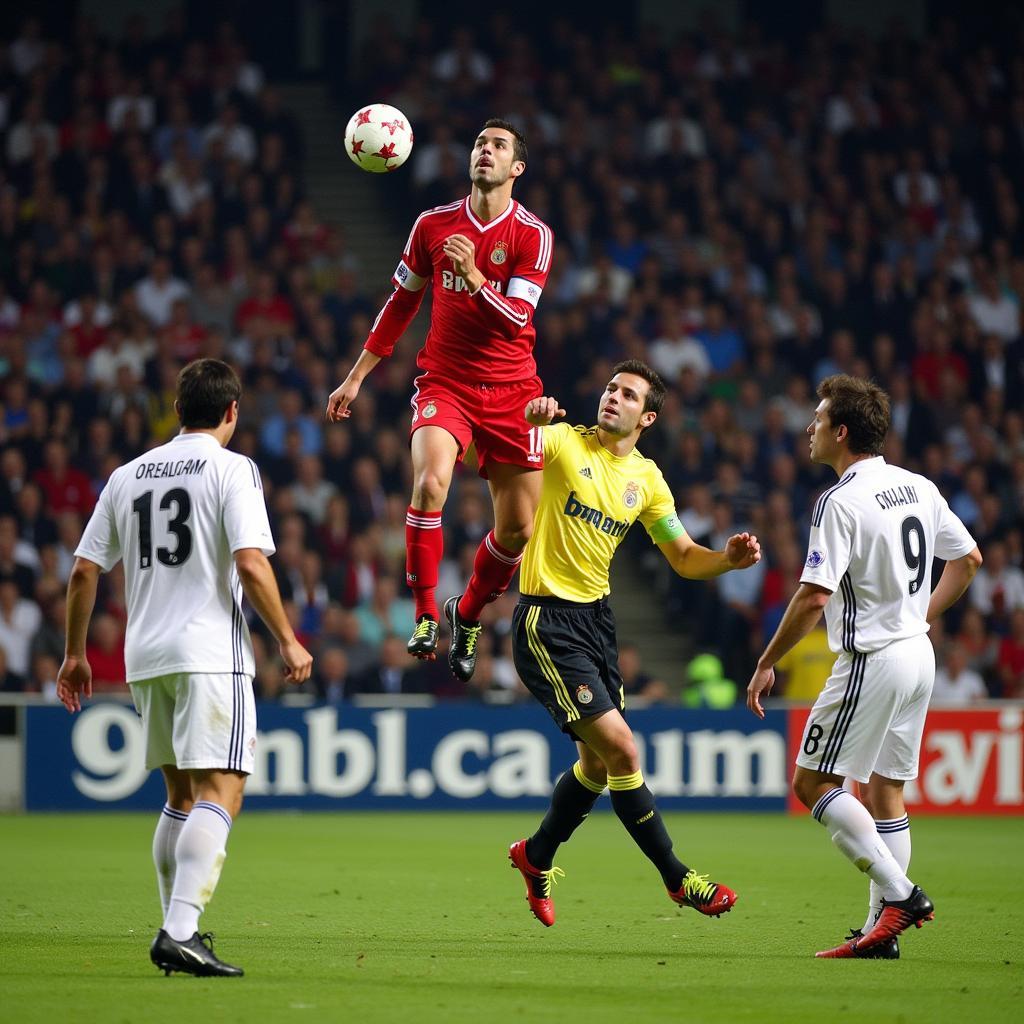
[(206, 387), (655, 396), (862, 407), (519, 146)]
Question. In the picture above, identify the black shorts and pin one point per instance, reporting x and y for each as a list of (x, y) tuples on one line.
[(566, 655)]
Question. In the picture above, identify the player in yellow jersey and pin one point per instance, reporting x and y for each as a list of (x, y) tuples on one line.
[(595, 486)]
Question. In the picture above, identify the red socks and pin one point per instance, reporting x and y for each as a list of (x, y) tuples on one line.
[(424, 546), (493, 569)]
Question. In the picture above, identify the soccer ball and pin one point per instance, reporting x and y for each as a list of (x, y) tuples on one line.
[(378, 138)]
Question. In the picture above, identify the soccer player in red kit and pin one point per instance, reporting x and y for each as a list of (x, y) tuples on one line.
[(488, 258)]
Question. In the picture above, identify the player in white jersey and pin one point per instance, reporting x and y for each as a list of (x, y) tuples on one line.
[(189, 523), (873, 537)]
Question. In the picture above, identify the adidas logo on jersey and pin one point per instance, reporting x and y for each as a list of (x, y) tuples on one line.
[(585, 471)]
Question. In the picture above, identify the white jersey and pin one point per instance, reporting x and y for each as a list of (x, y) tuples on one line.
[(873, 537), (176, 515)]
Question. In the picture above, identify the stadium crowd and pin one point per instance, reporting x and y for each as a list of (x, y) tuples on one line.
[(746, 217)]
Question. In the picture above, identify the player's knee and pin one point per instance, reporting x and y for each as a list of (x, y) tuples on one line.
[(429, 490), (623, 758), (513, 536)]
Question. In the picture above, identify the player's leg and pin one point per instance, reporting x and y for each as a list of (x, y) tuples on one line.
[(843, 738), (154, 701), (611, 739), (884, 800), (214, 743), (572, 800), (173, 816), (515, 493), (434, 454)]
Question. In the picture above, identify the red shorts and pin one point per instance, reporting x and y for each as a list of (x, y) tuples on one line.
[(489, 415)]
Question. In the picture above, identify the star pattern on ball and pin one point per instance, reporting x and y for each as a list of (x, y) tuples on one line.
[(356, 146), (387, 152), (363, 117), (393, 126)]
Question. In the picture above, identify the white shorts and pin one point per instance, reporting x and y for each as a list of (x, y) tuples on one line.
[(198, 720), (870, 715)]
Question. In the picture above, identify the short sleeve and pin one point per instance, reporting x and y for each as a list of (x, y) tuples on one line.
[(529, 273), (659, 514), (245, 511), (554, 437), (952, 538), (829, 548), (100, 542)]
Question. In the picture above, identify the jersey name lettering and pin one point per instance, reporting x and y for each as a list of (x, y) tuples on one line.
[(594, 516), (158, 470), (894, 497)]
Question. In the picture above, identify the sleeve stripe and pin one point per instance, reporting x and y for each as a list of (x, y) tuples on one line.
[(499, 303), (544, 253), (427, 213)]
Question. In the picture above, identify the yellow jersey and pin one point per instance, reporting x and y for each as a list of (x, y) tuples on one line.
[(590, 499), (807, 666)]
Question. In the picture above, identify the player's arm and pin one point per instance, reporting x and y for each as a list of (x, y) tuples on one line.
[(801, 616), (696, 562), (955, 579), (390, 325), (507, 315), (74, 680), (539, 412), (261, 589)]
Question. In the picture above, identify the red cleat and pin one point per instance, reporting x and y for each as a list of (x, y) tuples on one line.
[(710, 898), (538, 883), (851, 949), (896, 917)]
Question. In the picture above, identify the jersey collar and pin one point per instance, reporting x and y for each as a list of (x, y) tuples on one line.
[(479, 225), (875, 462), (197, 433)]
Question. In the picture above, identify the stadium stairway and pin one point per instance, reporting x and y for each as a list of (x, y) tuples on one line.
[(342, 195)]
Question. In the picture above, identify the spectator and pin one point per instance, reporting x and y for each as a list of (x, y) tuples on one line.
[(19, 620), (956, 685)]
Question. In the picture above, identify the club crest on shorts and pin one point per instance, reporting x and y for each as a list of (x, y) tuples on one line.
[(499, 253), (584, 695), (631, 495), (429, 410)]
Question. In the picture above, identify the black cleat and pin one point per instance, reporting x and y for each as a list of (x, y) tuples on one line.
[(897, 916), (462, 653), (193, 956), (423, 642), (885, 951)]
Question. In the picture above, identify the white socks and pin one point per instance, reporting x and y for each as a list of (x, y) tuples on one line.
[(853, 831), (895, 833), (200, 856), (165, 840)]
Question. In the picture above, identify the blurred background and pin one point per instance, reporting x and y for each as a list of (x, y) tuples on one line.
[(749, 199)]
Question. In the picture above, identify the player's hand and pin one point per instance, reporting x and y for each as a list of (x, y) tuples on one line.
[(341, 398), (742, 550), (761, 682), (74, 681), (462, 252), (541, 411), (298, 662)]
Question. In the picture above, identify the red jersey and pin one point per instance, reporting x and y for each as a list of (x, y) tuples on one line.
[(484, 337)]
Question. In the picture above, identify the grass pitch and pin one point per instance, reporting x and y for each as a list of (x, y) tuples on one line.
[(417, 917)]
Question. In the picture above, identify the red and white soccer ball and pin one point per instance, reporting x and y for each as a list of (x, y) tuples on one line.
[(378, 138)]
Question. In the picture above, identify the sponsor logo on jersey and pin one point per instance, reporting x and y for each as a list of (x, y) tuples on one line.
[(499, 253), (585, 471), (451, 282), (594, 517), (584, 695), (815, 558), (631, 495), (429, 410)]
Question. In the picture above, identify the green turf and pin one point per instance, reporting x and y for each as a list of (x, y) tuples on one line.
[(417, 918)]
